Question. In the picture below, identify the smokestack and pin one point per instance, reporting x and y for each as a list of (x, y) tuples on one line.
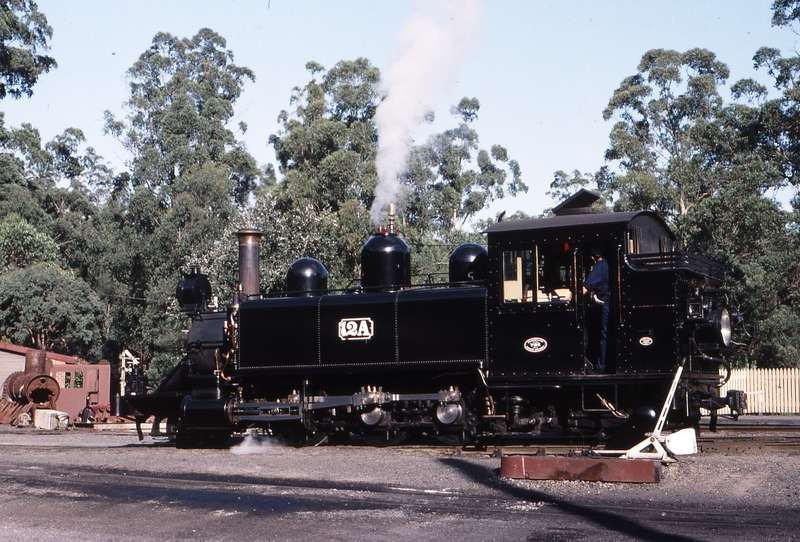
[(249, 275), (35, 361)]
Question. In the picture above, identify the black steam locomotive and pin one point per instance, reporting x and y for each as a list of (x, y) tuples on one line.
[(499, 351)]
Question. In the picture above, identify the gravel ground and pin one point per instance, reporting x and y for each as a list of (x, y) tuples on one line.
[(83, 479)]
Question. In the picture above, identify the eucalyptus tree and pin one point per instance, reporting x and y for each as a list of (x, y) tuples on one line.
[(188, 175), (182, 97), (660, 114), (24, 37), (709, 167)]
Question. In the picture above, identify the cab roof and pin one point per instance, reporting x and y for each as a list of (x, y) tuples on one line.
[(576, 221)]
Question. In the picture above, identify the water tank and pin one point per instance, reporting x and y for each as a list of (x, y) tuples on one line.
[(469, 261), (306, 277), (385, 263)]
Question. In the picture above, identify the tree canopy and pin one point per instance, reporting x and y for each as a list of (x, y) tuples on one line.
[(709, 167), (44, 307), (24, 35), (182, 97), (89, 257)]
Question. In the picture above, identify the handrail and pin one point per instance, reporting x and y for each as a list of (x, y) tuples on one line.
[(661, 261)]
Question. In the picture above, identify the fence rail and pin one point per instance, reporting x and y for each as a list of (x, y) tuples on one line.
[(769, 391)]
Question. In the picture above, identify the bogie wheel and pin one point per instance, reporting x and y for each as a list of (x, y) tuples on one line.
[(185, 439), (300, 438), (453, 439)]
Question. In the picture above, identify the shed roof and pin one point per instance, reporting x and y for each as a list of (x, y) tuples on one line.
[(22, 350)]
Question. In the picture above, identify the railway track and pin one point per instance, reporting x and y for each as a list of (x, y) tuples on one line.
[(744, 437), (739, 437), (729, 438)]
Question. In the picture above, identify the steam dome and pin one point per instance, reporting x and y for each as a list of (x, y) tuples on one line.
[(306, 277), (469, 261), (385, 263)]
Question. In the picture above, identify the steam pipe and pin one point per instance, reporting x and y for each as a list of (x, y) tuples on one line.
[(391, 230)]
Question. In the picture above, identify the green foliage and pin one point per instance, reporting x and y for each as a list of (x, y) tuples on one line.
[(326, 148), (706, 167), (44, 307), (182, 96), (660, 122), (21, 245), (24, 33), (785, 12), (304, 232), (450, 179)]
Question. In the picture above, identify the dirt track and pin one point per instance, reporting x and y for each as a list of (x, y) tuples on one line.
[(93, 486)]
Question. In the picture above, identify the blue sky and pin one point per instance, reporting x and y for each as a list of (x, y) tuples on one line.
[(542, 70)]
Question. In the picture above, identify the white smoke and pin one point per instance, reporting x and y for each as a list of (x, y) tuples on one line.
[(431, 44)]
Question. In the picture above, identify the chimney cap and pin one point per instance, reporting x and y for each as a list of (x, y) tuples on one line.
[(249, 235)]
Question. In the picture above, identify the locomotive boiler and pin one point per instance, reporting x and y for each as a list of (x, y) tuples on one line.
[(502, 349)]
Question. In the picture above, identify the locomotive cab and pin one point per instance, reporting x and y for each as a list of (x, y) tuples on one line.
[(538, 305), (537, 302), (665, 310)]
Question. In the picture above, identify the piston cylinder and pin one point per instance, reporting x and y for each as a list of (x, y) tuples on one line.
[(206, 414)]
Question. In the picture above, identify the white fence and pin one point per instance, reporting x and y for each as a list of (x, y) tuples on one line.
[(769, 391)]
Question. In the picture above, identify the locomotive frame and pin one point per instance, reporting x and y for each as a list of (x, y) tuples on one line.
[(498, 351)]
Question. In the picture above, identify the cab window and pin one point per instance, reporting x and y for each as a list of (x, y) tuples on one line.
[(542, 275)]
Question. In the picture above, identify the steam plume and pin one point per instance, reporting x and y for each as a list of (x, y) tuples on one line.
[(431, 44)]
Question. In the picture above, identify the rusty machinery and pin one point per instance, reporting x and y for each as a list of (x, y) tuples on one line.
[(25, 391)]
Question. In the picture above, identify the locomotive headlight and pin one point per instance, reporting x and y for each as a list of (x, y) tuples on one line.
[(722, 321)]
